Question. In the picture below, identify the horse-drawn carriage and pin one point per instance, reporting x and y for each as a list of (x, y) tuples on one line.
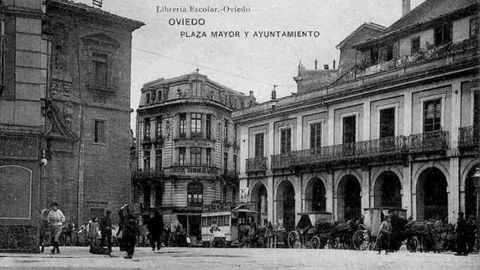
[(314, 230), (366, 235)]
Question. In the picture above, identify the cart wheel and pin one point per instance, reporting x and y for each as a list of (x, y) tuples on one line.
[(293, 240), (360, 240), (412, 244), (315, 242)]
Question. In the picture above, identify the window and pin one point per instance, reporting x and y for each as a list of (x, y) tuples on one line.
[(235, 163), (227, 220), (146, 160), (415, 45), (225, 130), (432, 111), (197, 89), (195, 156), (208, 127), (285, 140), (208, 156), (196, 124), (182, 125), (374, 56), (146, 133), (474, 28), (158, 159), (225, 162), (224, 194), (349, 129), (158, 196), (147, 98), (315, 135), (387, 123), (389, 52), (100, 68), (159, 95), (99, 132), (158, 130), (259, 148), (443, 34), (195, 194), (181, 156)]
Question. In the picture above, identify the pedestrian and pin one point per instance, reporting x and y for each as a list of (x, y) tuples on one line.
[(213, 228), (155, 227), (106, 230), (269, 234), (55, 218), (461, 235), (470, 234), (129, 230), (93, 231), (384, 232)]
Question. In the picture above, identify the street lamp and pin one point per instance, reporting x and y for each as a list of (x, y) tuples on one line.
[(476, 181)]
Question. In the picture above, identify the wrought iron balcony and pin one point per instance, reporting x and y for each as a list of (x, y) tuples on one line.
[(429, 142), (256, 164), (469, 138), (351, 152), (192, 169)]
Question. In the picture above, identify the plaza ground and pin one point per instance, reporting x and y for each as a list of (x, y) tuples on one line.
[(233, 258)]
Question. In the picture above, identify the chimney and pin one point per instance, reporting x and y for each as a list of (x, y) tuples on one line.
[(274, 93), (405, 7), (325, 66), (251, 93), (334, 62), (316, 64)]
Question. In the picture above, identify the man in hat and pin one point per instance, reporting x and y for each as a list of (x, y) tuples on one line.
[(106, 230), (55, 218), (384, 233)]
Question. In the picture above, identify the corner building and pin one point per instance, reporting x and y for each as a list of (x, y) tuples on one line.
[(187, 148), (64, 99), (398, 127)]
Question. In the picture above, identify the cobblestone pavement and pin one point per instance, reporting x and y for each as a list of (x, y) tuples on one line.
[(206, 258)]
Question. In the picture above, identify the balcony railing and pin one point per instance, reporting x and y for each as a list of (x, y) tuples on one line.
[(429, 142), (396, 147), (469, 137), (256, 164), (191, 169)]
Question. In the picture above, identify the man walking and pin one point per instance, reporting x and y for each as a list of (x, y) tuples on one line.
[(155, 227), (106, 230), (384, 233), (55, 218)]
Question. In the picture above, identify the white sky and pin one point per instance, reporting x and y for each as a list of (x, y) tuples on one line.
[(260, 63)]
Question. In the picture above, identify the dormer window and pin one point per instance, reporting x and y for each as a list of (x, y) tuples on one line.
[(474, 28), (443, 34), (197, 89), (159, 95), (374, 56), (147, 98), (389, 52), (415, 45)]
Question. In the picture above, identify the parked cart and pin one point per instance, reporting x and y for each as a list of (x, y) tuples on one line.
[(314, 230)]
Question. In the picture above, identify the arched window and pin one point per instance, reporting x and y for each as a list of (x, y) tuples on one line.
[(195, 194)]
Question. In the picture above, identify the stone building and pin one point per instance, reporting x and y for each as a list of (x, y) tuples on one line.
[(398, 128), (187, 148), (65, 101)]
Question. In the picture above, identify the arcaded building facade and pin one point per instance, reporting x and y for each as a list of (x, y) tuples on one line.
[(398, 127), (187, 148)]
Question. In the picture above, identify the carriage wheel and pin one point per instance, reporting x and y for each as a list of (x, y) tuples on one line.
[(315, 242), (412, 244), (360, 240), (293, 240)]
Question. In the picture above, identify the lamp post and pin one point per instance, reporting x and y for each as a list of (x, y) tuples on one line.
[(476, 181)]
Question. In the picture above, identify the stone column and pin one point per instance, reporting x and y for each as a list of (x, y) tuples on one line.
[(331, 126), (456, 114), (365, 192), (329, 193), (407, 198), (453, 190), (407, 111), (366, 121)]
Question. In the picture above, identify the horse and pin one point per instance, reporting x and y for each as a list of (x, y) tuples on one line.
[(424, 233)]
